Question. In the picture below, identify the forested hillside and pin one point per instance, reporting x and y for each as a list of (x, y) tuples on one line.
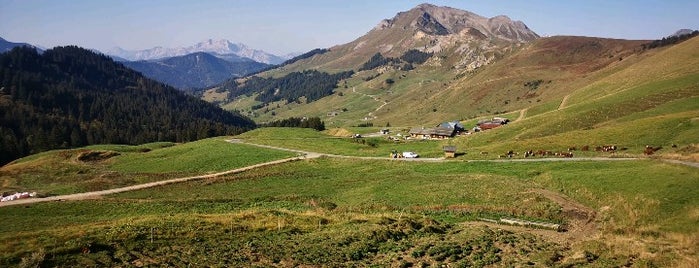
[(310, 84), (196, 70), (69, 96)]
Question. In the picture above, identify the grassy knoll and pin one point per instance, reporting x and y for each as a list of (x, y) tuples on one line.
[(64, 171), (338, 212), (209, 155)]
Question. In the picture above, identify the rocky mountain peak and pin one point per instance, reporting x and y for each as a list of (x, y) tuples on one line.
[(441, 20)]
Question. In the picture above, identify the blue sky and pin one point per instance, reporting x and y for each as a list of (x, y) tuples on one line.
[(284, 26)]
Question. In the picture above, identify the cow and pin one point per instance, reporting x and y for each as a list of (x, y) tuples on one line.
[(528, 153), (649, 150)]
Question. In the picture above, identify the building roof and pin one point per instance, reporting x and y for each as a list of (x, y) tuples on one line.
[(449, 148), (439, 131), (454, 124)]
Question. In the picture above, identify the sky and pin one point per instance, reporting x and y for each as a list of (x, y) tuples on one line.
[(291, 26)]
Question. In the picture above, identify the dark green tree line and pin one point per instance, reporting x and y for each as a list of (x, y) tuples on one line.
[(311, 122), (311, 84)]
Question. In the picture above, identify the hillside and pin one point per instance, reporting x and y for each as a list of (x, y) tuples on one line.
[(561, 93), (196, 70), (529, 79), (69, 96), (437, 43), (650, 98)]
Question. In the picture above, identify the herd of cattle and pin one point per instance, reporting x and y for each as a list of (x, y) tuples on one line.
[(649, 150)]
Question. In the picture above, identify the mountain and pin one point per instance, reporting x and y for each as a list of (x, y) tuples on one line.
[(69, 96), (431, 19), (220, 48), (433, 29), (413, 70), (196, 70), (682, 32), (7, 45), (452, 40)]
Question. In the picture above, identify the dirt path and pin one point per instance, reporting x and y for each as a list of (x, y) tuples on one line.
[(521, 114), (96, 194), (581, 219), (580, 225), (563, 102), (383, 103)]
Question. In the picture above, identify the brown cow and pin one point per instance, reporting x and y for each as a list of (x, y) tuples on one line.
[(649, 150)]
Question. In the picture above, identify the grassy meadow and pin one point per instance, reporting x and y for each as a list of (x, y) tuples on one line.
[(62, 172), (314, 141), (338, 212)]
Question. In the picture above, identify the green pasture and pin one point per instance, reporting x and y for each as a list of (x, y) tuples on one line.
[(60, 172), (360, 212), (208, 155)]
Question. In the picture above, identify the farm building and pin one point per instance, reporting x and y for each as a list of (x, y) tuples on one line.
[(456, 125), (449, 151), (488, 125), (432, 133), (493, 123)]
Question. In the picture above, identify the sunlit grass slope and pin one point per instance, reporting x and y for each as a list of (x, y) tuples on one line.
[(654, 102), (63, 171)]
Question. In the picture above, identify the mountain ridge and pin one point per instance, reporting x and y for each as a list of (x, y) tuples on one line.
[(194, 70), (6, 46)]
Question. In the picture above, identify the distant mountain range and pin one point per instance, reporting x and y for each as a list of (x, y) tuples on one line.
[(7, 45), (220, 48), (195, 70)]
